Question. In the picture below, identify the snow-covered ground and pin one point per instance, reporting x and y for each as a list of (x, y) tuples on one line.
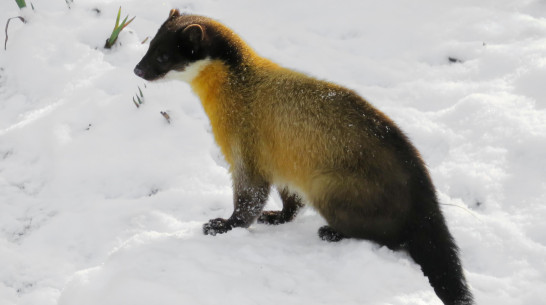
[(102, 202)]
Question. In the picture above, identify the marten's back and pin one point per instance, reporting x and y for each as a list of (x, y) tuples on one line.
[(307, 130)]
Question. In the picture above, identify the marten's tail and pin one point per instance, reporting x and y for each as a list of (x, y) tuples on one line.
[(432, 247)]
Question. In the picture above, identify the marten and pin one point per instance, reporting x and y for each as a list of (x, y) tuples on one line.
[(316, 142)]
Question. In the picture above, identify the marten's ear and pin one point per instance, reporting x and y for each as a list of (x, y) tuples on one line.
[(195, 33), (174, 13)]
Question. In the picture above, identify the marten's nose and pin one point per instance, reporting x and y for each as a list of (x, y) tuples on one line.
[(139, 72)]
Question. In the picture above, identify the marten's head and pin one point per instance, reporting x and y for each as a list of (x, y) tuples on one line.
[(184, 44)]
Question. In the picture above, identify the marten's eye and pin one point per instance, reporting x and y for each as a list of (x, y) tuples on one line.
[(163, 58)]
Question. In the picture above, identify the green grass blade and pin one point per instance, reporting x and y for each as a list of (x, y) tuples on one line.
[(117, 19), (21, 3), (123, 25)]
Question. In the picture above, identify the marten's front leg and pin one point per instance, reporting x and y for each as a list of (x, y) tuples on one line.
[(291, 203), (250, 193)]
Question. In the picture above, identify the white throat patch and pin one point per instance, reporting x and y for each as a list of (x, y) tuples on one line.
[(190, 72)]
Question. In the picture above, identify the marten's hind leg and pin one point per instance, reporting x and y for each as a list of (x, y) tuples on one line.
[(291, 205), (353, 218)]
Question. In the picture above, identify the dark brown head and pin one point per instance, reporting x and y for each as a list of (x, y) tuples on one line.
[(184, 40)]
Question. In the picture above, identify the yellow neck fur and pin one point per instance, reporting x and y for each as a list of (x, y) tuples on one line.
[(210, 86)]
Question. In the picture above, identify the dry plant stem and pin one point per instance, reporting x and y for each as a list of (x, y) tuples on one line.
[(166, 116), (7, 25)]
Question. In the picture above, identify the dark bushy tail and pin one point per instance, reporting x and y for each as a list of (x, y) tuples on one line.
[(433, 248)]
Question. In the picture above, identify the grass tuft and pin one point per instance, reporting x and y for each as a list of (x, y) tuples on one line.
[(139, 98), (117, 29)]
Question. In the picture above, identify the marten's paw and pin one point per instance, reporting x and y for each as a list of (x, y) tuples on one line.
[(328, 234), (216, 226), (272, 218)]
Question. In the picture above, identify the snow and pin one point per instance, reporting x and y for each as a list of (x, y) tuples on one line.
[(103, 202)]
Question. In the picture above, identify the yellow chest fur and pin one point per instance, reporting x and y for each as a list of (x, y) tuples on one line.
[(210, 86)]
